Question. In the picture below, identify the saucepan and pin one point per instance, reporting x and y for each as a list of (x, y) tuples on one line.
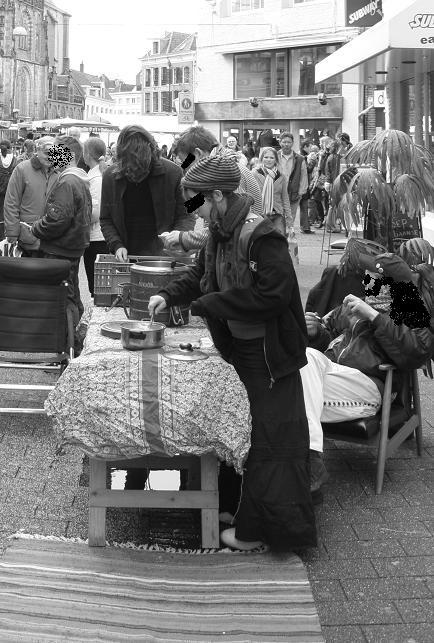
[(139, 335)]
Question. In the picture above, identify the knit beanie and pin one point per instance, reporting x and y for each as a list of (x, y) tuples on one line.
[(213, 173)]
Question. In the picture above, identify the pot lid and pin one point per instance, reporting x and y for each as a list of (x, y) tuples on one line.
[(159, 267), (186, 353)]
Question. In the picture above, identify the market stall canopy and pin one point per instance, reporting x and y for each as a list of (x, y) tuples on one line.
[(391, 50), (73, 122)]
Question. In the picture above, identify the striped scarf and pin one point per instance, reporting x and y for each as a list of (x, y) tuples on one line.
[(268, 189)]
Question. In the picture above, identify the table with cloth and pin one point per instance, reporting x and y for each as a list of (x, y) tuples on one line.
[(141, 408)]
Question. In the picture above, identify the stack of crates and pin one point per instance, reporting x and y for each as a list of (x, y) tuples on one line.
[(109, 275)]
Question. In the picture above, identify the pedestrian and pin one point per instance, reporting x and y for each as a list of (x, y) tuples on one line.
[(27, 151), (94, 157), (245, 287), (345, 144), (275, 199), (232, 144), (26, 196), (141, 197), (64, 230), (75, 132), (164, 152), (293, 167), (305, 220), (8, 163), (331, 172)]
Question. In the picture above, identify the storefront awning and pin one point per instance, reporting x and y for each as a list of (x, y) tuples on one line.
[(389, 51)]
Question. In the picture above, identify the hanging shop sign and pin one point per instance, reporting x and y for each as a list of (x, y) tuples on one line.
[(186, 108), (361, 13)]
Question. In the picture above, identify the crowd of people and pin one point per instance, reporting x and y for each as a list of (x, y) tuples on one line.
[(65, 199)]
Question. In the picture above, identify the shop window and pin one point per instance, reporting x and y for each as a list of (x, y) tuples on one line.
[(246, 5), (147, 77), (155, 102), (261, 74), (302, 71)]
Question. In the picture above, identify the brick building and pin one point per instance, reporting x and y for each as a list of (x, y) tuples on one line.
[(267, 49)]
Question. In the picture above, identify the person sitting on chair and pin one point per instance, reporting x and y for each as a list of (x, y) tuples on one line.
[(342, 380)]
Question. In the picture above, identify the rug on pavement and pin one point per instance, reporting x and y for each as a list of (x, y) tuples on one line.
[(61, 590)]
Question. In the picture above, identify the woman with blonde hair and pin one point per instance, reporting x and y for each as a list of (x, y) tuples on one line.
[(94, 156), (275, 199)]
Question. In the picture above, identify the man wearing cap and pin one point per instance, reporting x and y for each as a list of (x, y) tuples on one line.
[(245, 286), (26, 196), (342, 380)]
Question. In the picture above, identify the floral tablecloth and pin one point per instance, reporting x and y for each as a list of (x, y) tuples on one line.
[(116, 403)]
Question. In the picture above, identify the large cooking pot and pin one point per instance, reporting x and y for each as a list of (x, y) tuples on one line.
[(147, 279), (139, 335)]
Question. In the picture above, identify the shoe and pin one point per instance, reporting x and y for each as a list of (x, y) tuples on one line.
[(318, 475), (227, 518), (320, 225), (308, 231), (333, 230), (228, 538)]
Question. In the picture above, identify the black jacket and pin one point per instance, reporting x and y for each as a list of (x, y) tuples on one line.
[(330, 291), (167, 198), (274, 298), (369, 344)]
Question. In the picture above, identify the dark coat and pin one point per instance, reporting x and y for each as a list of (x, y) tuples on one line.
[(330, 291), (273, 298), (167, 198)]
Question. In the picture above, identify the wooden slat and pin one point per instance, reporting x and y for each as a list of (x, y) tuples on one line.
[(209, 515), (160, 499), (97, 513)]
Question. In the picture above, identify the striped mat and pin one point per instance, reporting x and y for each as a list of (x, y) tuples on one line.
[(60, 591)]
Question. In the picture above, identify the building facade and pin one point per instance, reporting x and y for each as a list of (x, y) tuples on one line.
[(167, 69), (256, 69), (23, 60), (99, 105)]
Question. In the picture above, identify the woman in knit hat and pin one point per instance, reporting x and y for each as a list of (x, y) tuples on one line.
[(244, 286)]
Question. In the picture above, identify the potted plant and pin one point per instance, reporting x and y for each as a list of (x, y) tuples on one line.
[(387, 185)]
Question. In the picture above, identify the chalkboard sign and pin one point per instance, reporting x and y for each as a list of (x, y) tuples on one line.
[(404, 228)]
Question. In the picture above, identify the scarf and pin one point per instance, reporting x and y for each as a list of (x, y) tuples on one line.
[(225, 229), (268, 189)]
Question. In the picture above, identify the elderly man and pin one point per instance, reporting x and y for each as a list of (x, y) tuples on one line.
[(342, 380), (28, 188)]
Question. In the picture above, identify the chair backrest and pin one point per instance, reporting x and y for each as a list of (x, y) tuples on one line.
[(33, 298)]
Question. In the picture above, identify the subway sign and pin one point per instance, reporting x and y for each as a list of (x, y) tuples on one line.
[(361, 13)]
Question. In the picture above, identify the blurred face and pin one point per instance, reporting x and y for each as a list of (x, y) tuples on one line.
[(216, 203), (4, 149), (232, 142), (42, 154), (269, 160), (286, 145), (369, 279)]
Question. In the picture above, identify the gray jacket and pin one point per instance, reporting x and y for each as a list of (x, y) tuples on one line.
[(25, 200)]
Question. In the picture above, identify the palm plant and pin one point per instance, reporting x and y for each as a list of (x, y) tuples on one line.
[(387, 178)]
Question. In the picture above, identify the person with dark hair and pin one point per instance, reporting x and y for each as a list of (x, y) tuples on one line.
[(331, 172), (27, 151), (293, 167), (94, 156), (75, 132), (8, 162), (345, 143), (141, 197), (164, 152), (64, 230), (245, 287)]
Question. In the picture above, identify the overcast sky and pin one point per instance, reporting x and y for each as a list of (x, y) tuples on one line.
[(110, 35)]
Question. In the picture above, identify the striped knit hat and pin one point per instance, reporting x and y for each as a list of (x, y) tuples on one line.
[(217, 173)]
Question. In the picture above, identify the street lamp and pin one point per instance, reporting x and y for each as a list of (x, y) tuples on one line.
[(169, 67), (16, 33)]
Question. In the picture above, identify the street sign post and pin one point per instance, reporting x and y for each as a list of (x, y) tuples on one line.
[(186, 108)]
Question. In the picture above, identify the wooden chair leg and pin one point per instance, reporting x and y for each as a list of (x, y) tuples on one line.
[(384, 433), (97, 481), (210, 515), (418, 409)]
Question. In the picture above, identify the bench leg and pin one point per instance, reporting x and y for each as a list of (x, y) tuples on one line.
[(97, 481), (210, 516)]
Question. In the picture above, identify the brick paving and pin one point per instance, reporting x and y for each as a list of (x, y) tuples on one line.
[(373, 573)]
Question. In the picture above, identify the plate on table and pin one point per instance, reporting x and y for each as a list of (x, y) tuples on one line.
[(112, 329)]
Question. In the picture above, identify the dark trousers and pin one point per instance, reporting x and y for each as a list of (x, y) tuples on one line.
[(275, 506), (93, 249), (304, 213)]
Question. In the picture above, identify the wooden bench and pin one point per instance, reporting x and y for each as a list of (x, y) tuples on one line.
[(202, 493)]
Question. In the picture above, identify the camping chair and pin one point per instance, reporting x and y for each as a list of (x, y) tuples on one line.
[(36, 325), (394, 422)]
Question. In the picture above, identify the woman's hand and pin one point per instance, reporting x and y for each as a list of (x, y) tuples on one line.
[(358, 308), (156, 305), (122, 255)]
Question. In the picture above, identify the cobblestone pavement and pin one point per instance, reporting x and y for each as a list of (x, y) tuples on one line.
[(373, 572)]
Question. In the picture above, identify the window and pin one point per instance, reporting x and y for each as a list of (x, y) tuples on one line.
[(133, 100), (155, 102), (253, 74), (147, 77), (302, 71), (155, 47), (164, 76), (2, 28), (156, 76), (186, 74), (178, 75), (246, 5)]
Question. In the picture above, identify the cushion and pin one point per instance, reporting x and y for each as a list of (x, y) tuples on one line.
[(366, 428), (34, 271)]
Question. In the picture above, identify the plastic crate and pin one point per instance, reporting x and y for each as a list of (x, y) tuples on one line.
[(110, 274)]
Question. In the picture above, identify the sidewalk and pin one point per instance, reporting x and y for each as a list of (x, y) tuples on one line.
[(373, 572)]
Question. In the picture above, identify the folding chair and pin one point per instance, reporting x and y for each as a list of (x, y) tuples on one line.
[(36, 325), (394, 422)]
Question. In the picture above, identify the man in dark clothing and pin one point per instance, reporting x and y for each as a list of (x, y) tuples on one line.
[(64, 230), (245, 286), (8, 163), (141, 197)]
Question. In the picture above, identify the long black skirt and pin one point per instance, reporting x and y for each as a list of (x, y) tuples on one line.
[(275, 506)]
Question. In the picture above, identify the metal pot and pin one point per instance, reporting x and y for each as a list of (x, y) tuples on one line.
[(139, 335)]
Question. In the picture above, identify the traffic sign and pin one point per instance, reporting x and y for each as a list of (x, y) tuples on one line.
[(186, 107)]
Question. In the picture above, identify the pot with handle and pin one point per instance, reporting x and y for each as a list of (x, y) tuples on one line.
[(140, 335)]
